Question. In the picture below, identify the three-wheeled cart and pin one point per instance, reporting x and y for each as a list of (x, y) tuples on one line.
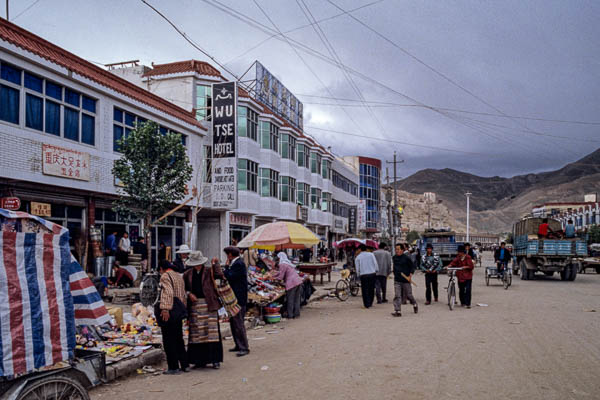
[(44, 295), (493, 273)]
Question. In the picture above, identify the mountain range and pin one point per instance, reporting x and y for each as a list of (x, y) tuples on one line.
[(497, 202)]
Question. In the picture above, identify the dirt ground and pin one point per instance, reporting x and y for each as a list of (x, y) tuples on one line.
[(537, 340)]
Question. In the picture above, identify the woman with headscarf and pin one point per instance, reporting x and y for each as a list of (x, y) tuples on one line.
[(204, 343), (286, 272)]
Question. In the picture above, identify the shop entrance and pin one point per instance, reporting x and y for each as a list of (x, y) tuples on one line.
[(237, 233)]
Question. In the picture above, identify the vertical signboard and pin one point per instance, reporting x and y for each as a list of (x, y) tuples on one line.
[(361, 215), (352, 220), (224, 149)]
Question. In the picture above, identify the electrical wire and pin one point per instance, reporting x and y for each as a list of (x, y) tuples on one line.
[(297, 29), (25, 10)]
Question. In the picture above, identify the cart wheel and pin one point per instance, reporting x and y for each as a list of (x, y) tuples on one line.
[(505, 280), (487, 277), (342, 290), (523, 270), (451, 296), (149, 290), (509, 279), (354, 287), (54, 388)]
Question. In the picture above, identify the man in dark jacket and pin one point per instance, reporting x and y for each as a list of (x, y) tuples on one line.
[(502, 257), (403, 270), (237, 276)]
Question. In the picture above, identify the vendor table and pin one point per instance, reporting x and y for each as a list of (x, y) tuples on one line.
[(317, 268)]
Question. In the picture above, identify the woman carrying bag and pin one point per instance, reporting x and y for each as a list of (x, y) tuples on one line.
[(170, 313), (205, 345)]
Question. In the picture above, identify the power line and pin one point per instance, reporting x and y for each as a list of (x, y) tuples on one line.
[(257, 25), (427, 65), (396, 141), (321, 34), (25, 10), (304, 61), (391, 104), (299, 28)]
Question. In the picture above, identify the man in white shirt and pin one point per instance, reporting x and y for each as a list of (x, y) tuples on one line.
[(124, 247), (366, 268)]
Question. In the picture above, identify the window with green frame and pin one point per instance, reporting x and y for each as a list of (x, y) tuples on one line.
[(326, 202), (265, 135), (314, 165), (247, 123), (269, 181), (301, 154), (326, 169), (247, 175), (287, 189), (203, 102), (303, 194), (288, 146), (315, 198)]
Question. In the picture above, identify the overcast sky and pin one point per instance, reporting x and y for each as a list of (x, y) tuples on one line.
[(538, 59)]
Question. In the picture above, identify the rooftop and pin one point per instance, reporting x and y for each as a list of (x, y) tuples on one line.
[(200, 67), (27, 41)]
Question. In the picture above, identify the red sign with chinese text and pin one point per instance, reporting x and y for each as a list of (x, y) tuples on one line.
[(10, 203)]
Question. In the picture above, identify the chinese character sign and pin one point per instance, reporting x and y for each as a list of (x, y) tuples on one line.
[(65, 163), (361, 216), (224, 129)]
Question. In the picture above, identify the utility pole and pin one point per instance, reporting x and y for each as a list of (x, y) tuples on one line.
[(395, 196), (7, 17), (388, 199), (468, 194)]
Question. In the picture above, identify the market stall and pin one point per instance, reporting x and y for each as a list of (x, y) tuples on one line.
[(44, 296), (264, 292)]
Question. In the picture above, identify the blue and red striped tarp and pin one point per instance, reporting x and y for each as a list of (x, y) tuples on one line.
[(44, 294)]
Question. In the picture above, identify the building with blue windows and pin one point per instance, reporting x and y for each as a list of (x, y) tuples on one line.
[(369, 214)]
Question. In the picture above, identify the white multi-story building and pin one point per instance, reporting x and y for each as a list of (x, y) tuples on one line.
[(60, 118)]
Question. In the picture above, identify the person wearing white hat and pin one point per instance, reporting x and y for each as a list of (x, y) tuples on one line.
[(180, 264)]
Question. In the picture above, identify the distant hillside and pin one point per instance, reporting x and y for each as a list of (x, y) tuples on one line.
[(497, 202)]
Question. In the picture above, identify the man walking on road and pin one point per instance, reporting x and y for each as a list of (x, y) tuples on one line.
[(465, 276), (403, 271), (431, 264), (237, 276), (384, 268), (366, 268)]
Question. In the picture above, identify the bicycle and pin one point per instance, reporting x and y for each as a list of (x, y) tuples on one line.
[(348, 285), (451, 288)]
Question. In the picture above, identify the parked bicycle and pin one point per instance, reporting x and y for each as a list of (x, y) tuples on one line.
[(451, 288), (348, 285)]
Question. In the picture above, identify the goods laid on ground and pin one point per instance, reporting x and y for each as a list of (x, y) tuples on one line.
[(261, 290)]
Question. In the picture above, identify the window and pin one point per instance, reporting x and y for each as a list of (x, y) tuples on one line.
[(287, 189), (125, 122), (203, 102), (326, 202), (207, 164), (303, 156), (369, 190), (269, 136), (269, 180), (315, 198), (247, 175), (314, 164), (45, 105), (288, 146), (247, 123), (303, 194), (340, 209), (344, 183), (326, 169)]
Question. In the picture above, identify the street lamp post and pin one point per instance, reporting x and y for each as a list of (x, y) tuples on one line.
[(468, 194)]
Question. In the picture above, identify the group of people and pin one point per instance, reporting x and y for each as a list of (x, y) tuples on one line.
[(197, 289), (374, 267)]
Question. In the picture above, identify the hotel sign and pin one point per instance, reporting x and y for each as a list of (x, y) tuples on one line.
[(65, 163), (224, 149)]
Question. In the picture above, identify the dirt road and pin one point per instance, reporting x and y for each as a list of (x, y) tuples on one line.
[(536, 340)]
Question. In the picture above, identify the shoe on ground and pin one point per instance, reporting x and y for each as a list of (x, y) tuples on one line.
[(216, 365), (468, 306), (243, 353), (379, 302), (427, 303), (397, 314), (416, 308), (234, 350), (436, 300), (172, 372), (185, 369), (384, 301)]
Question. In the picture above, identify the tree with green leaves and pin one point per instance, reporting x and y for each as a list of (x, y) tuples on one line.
[(412, 236), (594, 234), (153, 172)]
